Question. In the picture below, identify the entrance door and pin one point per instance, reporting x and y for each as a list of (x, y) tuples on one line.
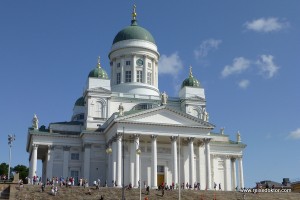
[(75, 174), (160, 179)]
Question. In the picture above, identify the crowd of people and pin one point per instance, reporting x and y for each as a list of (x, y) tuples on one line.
[(3, 177), (56, 182)]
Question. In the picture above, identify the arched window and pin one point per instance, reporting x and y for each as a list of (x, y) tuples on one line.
[(99, 109)]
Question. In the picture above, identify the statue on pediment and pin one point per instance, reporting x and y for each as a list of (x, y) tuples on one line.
[(205, 115), (121, 110), (164, 98), (35, 122)]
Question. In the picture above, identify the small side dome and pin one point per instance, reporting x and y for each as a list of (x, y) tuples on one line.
[(191, 81), (79, 102), (134, 31), (98, 72)]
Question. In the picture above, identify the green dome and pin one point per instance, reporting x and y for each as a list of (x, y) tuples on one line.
[(98, 72), (79, 102), (134, 32), (191, 81)]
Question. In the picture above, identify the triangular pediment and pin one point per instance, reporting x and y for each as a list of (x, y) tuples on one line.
[(99, 90), (165, 116)]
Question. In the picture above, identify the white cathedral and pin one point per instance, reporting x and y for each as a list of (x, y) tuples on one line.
[(124, 130)]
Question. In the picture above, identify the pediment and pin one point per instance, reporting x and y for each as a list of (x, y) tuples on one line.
[(165, 116), (99, 90)]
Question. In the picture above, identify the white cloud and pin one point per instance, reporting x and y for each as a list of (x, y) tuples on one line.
[(266, 24), (205, 47), (266, 66), (244, 83), (239, 65), (170, 64), (295, 134)]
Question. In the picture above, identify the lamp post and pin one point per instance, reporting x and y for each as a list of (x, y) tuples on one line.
[(11, 138), (138, 151), (179, 188), (123, 158)]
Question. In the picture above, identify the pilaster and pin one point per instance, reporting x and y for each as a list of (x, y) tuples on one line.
[(66, 161), (50, 155), (87, 161)]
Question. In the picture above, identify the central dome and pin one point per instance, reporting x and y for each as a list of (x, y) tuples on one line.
[(134, 31)]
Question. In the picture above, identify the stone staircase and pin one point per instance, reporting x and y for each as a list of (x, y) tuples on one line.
[(30, 192), (4, 191)]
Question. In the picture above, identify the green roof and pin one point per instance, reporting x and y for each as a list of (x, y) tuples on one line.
[(79, 102), (134, 31), (98, 72), (191, 81)]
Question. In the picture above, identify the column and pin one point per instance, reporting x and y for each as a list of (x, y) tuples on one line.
[(119, 160), (241, 173), (137, 160), (166, 178), (30, 168), (201, 165), (114, 163), (174, 159), (87, 161), (227, 173), (153, 73), (33, 162), (133, 61), (122, 70), (132, 163), (208, 164), (233, 173), (145, 70), (44, 166), (109, 173), (191, 159), (50, 155), (154, 161)]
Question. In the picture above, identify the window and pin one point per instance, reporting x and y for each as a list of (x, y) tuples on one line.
[(144, 106), (127, 76), (118, 78), (139, 76), (127, 62), (149, 65), (99, 110), (160, 168), (149, 78), (118, 64), (74, 156)]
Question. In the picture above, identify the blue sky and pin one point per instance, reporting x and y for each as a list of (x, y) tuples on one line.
[(244, 53)]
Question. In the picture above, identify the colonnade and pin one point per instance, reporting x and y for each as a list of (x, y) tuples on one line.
[(202, 174)]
